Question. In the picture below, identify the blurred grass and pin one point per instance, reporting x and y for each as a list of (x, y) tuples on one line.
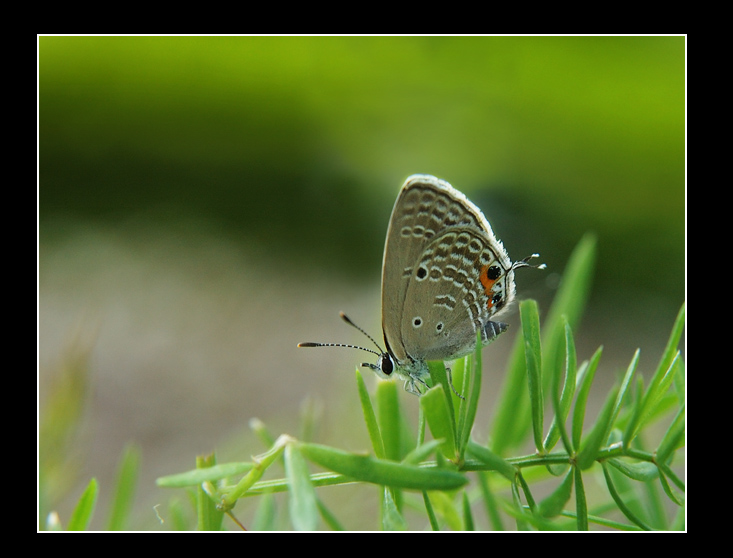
[(298, 144)]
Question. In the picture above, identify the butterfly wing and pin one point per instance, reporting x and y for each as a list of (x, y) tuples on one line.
[(458, 284), (425, 210)]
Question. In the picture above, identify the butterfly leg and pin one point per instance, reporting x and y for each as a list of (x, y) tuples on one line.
[(450, 382)]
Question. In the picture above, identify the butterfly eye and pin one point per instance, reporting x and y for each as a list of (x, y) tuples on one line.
[(386, 365)]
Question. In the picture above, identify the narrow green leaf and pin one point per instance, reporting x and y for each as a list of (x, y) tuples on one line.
[(473, 391), (261, 464), (439, 377), (445, 507), (264, 519), (420, 453), (623, 391), (431, 513), (568, 304), (658, 386), (527, 492), (598, 434), (328, 517), (582, 399), (378, 471), (642, 471), (197, 476), (513, 417), (370, 417), (84, 509), (208, 517), (581, 505), (124, 488), (388, 416), (519, 512), (495, 462), (561, 403), (673, 438), (670, 351), (439, 419), (467, 514), (553, 504), (460, 378), (533, 360), (630, 515), (492, 508), (676, 498), (302, 504), (392, 519)]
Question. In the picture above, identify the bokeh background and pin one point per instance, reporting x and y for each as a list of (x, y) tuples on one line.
[(206, 203)]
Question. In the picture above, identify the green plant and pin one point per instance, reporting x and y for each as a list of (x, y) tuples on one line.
[(456, 475)]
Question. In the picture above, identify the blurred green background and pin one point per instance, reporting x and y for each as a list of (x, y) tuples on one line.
[(205, 203)]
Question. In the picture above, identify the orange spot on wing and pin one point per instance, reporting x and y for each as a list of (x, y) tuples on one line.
[(488, 284)]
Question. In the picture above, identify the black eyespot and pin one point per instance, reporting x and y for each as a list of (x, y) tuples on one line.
[(493, 272), (422, 273), (439, 327), (416, 321), (496, 299)]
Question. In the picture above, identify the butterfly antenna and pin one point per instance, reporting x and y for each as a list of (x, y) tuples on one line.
[(309, 344), (525, 263), (348, 321), (345, 318)]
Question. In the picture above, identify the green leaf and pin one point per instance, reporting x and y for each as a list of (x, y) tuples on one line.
[(302, 505), (658, 386), (642, 471), (598, 434), (625, 384), (388, 416), (84, 509), (475, 365), (196, 476), (370, 417), (392, 519), (431, 513), (582, 399), (420, 453), (630, 515), (265, 516), (368, 469), (562, 402), (494, 461), (492, 507), (328, 517), (673, 438), (440, 419), (444, 506), (439, 377), (533, 361), (555, 502), (512, 419), (209, 517), (568, 305), (124, 488), (467, 515), (581, 505), (676, 498)]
